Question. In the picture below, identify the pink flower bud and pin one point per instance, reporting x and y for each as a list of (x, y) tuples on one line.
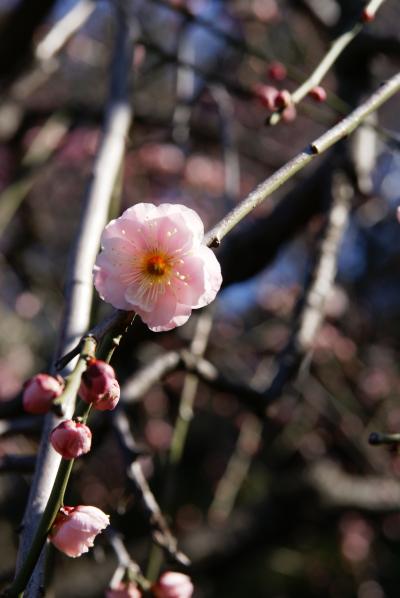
[(277, 71), (173, 585), (289, 114), (124, 590), (75, 529), (40, 391), (71, 439), (99, 386), (367, 15), (266, 94), (317, 93), (283, 99)]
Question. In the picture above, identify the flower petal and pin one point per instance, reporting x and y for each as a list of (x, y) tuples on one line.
[(173, 234), (110, 289), (162, 311), (202, 278)]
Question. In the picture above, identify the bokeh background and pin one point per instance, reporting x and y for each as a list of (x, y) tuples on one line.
[(302, 506)]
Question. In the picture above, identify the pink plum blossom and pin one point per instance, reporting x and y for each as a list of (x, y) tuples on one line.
[(75, 529), (71, 439), (40, 391), (99, 385), (172, 584), (153, 262), (124, 590)]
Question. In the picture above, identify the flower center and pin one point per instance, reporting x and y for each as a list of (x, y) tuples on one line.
[(156, 265)]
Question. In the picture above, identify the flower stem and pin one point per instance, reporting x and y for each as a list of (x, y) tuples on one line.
[(74, 380), (53, 506), (56, 497)]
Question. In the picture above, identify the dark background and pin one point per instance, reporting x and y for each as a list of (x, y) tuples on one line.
[(316, 513)]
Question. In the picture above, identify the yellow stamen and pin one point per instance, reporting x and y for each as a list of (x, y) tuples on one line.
[(156, 265)]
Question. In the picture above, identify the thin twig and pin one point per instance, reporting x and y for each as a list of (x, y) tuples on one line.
[(229, 142), (377, 439), (144, 378), (236, 471), (116, 322), (190, 385), (161, 533), (339, 488), (214, 237), (41, 149), (181, 428), (126, 568), (45, 62), (184, 360), (64, 29), (337, 47), (310, 309)]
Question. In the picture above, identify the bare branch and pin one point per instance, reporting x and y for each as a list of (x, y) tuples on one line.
[(259, 195), (338, 488), (79, 287), (337, 47), (160, 531)]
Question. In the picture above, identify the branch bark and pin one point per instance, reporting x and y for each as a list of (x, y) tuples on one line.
[(79, 287)]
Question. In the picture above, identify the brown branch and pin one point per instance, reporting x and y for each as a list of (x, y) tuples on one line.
[(340, 489), (264, 190), (146, 377), (310, 308), (161, 533)]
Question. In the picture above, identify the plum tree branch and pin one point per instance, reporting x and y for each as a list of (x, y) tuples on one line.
[(346, 126), (79, 287), (337, 47)]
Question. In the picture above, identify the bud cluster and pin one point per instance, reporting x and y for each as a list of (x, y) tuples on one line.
[(99, 385)]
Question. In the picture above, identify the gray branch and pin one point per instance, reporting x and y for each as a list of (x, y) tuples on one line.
[(79, 286)]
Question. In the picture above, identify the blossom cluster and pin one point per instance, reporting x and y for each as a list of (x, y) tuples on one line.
[(152, 262), (74, 528)]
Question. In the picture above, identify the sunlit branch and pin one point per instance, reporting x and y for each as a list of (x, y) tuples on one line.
[(79, 286), (346, 126), (337, 47)]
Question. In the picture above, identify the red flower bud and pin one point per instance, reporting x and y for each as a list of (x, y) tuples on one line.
[(99, 386), (317, 93), (289, 114), (283, 99), (71, 439), (266, 94), (40, 391), (367, 15), (173, 585), (277, 71), (75, 529)]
